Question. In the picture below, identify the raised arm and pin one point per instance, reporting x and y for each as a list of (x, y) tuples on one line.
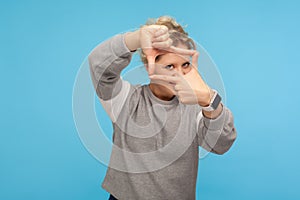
[(215, 129), (216, 135), (110, 57), (106, 62)]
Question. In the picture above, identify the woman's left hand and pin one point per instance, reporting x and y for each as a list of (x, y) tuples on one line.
[(190, 88)]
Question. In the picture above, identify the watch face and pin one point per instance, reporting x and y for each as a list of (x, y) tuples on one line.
[(216, 102)]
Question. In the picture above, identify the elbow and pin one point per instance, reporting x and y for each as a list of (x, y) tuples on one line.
[(225, 143), (91, 62)]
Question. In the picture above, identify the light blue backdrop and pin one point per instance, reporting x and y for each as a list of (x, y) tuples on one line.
[(255, 45)]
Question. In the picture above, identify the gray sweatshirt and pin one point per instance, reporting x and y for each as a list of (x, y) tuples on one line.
[(156, 142)]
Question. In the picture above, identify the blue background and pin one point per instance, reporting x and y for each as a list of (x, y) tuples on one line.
[(255, 45)]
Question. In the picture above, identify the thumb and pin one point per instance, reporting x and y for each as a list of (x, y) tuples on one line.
[(151, 64)]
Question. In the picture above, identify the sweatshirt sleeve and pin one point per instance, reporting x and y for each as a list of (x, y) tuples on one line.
[(106, 62), (216, 135)]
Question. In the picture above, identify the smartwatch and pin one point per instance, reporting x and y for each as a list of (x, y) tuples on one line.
[(214, 102)]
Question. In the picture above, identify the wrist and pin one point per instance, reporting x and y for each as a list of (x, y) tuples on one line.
[(214, 108), (213, 114), (132, 40), (204, 100)]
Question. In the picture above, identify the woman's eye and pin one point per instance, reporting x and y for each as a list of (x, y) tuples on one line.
[(187, 64), (169, 67)]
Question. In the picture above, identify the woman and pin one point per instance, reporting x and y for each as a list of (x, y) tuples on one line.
[(158, 127)]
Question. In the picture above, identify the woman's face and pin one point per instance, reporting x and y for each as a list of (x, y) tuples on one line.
[(169, 64)]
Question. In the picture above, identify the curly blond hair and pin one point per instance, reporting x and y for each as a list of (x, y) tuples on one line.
[(176, 32)]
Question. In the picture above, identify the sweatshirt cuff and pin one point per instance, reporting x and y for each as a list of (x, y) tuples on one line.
[(119, 47), (217, 123)]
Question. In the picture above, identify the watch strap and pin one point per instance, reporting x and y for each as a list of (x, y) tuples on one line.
[(214, 103)]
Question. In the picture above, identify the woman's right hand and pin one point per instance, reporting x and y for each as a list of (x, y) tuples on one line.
[(152, 39)]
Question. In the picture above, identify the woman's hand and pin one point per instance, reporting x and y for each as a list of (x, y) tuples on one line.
[(190, 88), (152, 39)]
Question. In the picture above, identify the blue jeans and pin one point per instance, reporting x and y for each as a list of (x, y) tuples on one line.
[(111, 197)]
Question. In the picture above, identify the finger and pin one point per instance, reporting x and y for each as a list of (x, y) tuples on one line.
[(162, 45), (161, 30), (195, 60), (164, 83), (161, 38), (171, 79), (177, 87), (182, 51), (151, 64), (189, 100)]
